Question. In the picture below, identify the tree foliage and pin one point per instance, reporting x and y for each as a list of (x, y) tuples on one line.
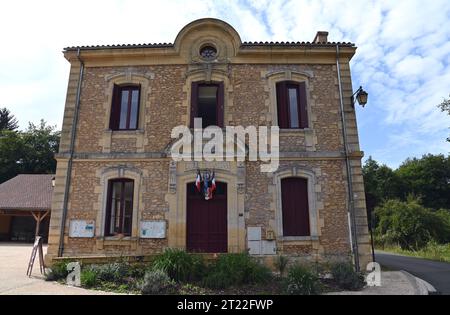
[(7, 121), (411, 203), (28, 152), (427, 178), (410, 225), (445, 107)]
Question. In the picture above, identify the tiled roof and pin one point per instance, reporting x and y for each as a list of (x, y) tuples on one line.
[(120, 46), (27, 192), (245, 44)]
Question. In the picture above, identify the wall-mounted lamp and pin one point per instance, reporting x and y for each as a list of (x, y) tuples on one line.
[(361, 97)]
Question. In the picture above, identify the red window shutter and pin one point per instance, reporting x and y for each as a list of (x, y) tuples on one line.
[(108, 209), (295, 207), (220, 104), (303, 110), (282, 105), (115, 109), (194, 101)]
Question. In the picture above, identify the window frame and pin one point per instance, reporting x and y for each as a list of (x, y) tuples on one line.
[(116, 106), (283, 104), (305, 229), (122, 228), (220, 101)]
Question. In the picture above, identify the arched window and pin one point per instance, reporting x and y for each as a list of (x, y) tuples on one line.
[(119, 208), (125, 107), (292, 105), (295, 206)]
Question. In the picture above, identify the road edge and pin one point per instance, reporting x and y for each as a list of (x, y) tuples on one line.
[(421, 286)]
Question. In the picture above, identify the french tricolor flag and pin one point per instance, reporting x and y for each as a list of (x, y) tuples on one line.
[(213, 182), (198, 181)]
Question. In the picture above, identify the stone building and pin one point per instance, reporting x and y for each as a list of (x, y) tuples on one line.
[(119, 192)]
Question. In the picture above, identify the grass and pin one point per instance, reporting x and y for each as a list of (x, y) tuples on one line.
[(432, 251)]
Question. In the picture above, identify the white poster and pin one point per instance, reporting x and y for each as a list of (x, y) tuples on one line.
[(82, 228), (153, 229)]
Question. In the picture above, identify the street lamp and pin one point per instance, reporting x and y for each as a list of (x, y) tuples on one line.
[(361, 97)]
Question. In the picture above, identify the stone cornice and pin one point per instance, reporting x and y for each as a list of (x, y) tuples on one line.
[(321, 155)]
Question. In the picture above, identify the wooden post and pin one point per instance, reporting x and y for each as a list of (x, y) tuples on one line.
[(38, 224), (39, 218)]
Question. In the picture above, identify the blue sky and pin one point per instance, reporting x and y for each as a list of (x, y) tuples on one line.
[(403, 57)]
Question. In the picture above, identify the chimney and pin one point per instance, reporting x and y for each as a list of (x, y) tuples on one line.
[(321, 37)]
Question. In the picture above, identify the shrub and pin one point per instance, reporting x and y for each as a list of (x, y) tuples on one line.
[(281, 263), (346, 277), (156, 282), (58, 271), (179, 265), (410, 225), (302, 281), (88, 278), (138, 270), (113, 272), (235, 270)]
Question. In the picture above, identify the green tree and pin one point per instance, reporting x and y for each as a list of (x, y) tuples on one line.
[(410, 225), (445, 107), (40, 143), (7, 121), (427, 178), (380, 183), (11, 149), (28, 152)]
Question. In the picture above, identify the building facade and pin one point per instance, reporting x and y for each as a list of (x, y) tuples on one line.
[(119, 192)]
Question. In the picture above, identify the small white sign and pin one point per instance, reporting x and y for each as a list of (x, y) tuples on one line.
[(254, 248), (82, 228), (153, 229), (269, 248), (254, 233)]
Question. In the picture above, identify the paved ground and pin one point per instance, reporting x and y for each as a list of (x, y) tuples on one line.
[(392, 283), (435, 273), (13, 280)]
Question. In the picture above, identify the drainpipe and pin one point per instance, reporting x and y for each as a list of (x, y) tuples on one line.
[(351, 208), (70, 162)]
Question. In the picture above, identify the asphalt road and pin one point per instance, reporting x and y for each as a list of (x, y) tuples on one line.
[(435, 273)]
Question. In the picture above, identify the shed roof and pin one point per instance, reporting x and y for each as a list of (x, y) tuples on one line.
[(27, 192)]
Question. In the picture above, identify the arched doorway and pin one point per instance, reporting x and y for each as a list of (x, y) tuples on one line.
[(206, 221)]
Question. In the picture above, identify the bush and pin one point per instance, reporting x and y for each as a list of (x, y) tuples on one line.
[(156, 282), (302, 281), (138, 270), (281, 263), (88, 278), (180, 266), (113, 272), (236, 270), (58, 271), (346, 277), (410, 225)]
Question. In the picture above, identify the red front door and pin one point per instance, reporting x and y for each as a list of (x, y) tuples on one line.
[(207, 230)]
